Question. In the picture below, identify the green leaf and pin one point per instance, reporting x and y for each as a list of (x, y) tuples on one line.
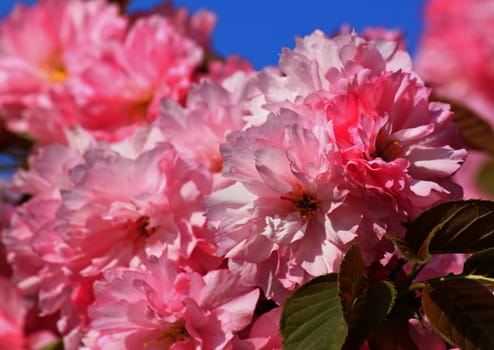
[(477, 133), (312, 317), (485, 177), (461, 310), (351, 277), (452, 227), (419, 254), (481, 263), (369, 311)]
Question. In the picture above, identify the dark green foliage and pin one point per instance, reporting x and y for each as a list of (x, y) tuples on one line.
[(461, 310)]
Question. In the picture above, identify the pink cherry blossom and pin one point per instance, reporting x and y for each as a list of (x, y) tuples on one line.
[(212, 111), (43, 50), (320, 63), (197, 27), (442, 265), (48, 174), (167, 188), (352, 148), (12, 313), (94, 206), (28, 218), (455, 35), (88, 45), (136, 89), (18, 238), (132, 208), (154, 307), (264, 333), (25, 236), (273, 205), (472, 173), (380, 33), (158, 194), (13, 317)]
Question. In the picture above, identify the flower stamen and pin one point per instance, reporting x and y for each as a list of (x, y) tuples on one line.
[(391, 151), (216, 164), (173, 333), (386, 149), (55, 71), (304, 203), (143, 228)]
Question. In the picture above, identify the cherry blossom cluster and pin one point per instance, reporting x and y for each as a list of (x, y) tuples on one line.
[(457, 34), (173, 200)]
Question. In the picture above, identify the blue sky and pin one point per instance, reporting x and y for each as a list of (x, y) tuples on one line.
[(258, 29)]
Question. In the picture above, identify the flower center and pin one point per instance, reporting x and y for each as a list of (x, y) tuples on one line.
[(216, 164), (169, 335), (55, 71), (304, 203), (140, 107), (386, 149), (391, 151), (143, 228)]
